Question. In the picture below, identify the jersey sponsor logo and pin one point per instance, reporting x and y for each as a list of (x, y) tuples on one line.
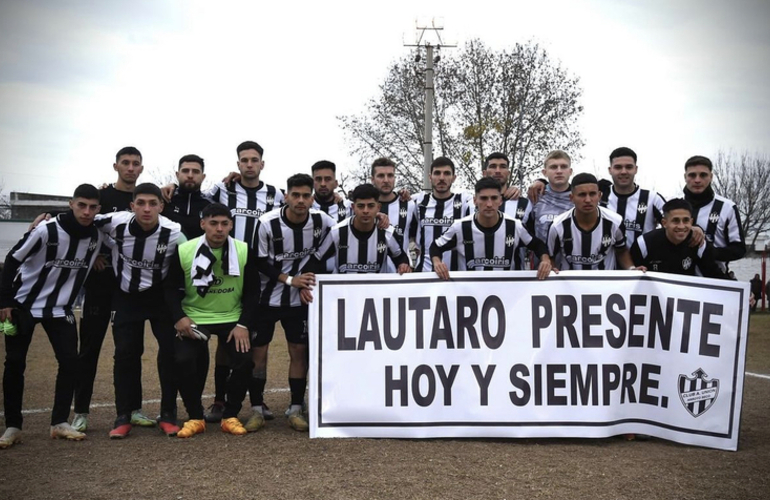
[(247, 212), (67, 263), (140, 264), (631, 225), (293, 255), (585, 259), (686, 263), (606, 240), (509, 240), (217, 281), (161, 248), (642, 208), (438, 221), (220, 290), (714, 217), (381, 247), (52, 244), (697, 393), (484, 262), (368, 267)]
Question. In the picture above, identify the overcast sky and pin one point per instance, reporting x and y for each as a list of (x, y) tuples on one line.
[(79, 80)]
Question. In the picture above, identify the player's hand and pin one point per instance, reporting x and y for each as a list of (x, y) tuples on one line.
[(40, 218), (103, 185), (241, 337), (440, 269), (752, 300), (405, 195), (336, 197), (382, 220), (306, 296), (697, 236), (404, 268), (512, 193), (184, 328), (100, 264), (535, 191), (545, 267), (304, 280), (639, 268), (6, 313), (168, 191), (231, 177)]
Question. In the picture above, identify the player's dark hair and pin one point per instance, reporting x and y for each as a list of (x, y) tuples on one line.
[(677, 204), (496, 156), (365, 192), (148, 188), (86, 191), (216, 210), (698, 160), (191, 159), (128, 150), (442, 161), (298, 180), (323, 165), (488, 183), (584, 178), (382, 162), (622, 151), (249, 145)]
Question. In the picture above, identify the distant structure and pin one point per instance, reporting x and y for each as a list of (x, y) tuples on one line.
[(27, 206)]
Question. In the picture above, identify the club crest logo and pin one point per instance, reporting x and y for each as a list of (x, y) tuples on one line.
[(161, 248), (686, 263), (317, 232), (714, 217), (698, 393), (270, 200), (92, 245), (402, 213), (520, 213), (509, 240), (381, 247), (458, 204), (606, 240), (642, 208)]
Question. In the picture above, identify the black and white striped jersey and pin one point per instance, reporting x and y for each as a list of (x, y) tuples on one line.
[(721, 224), (436, 216), (521, 210), (337, 211), (54, 266), (591, 250), (486, 249), (403, 218), (288, 247), (353, 252), (141, 259), (247, 205), (641, 210)]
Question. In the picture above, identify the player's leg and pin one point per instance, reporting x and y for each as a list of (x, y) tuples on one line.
[(191, 367), (163, 330), (221, 374), (128, 334), (16, 348), (261, 338), (63, 335), (294, 322), (241, 365)]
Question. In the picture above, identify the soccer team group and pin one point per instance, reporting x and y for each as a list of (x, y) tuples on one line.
[(234, 260)]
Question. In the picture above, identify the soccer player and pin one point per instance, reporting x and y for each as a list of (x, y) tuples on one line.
[(43, 275), (287, 238), (187, 202), (145, 243), (556, 199), (716, 215), (356, 245), (438, 210), (324, 184), (668, 249), (402, 213), (588, 237), (212, 287), (487, 239), (99, 290)]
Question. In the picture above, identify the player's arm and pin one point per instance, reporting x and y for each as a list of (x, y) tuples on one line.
[(736, 244), (173, 292), (30, 244), (639, 252), (398, 256), (447, 241), (707, 262), (541, 250)]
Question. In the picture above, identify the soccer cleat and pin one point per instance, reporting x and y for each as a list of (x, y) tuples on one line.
[(122, 428), (233, 426), (10, 437), (191, 428), (215, 412), (141, 420), (288, 409), (170, 429), (298, 422), (80, 422), (267, 413), (255, 422), (65, 431)]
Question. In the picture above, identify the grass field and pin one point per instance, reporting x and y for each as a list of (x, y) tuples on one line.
[(281, 463)]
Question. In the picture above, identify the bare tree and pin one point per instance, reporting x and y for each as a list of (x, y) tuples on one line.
[(5, 203), (516, 101), (159, 176), (744, 178)]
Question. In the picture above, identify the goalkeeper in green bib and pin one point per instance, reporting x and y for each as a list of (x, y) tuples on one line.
[(211, 289)]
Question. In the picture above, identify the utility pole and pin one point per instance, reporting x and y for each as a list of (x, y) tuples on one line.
[(430, 60)]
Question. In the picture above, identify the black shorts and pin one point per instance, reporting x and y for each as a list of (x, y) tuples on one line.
[(293, 320)]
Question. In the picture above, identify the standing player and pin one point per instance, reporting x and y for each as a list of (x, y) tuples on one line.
[(487, 239), (438, 210), (668, 249), (556, 199), (99, 290), (716, 215), (144, 244), (324, 184), (287, 238), (588, 237), (43, 275), (401, 213), (187, 202), (212, 286), (357, 246)]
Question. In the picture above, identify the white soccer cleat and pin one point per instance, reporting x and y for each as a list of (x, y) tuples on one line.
[(65, 431), (10, 437)]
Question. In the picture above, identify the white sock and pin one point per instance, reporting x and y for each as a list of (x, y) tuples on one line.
[(295, 409), (257, 409)]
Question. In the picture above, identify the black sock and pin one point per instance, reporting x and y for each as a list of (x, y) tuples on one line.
[(256, 390), (221, 374), (297, 386)]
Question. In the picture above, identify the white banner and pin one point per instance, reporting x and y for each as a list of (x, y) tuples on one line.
[(501, 354)]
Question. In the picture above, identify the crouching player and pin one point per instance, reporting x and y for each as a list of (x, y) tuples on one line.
[(211, 289)]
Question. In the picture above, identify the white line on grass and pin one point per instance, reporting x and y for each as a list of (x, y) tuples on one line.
[(147, 401), (758, 375)]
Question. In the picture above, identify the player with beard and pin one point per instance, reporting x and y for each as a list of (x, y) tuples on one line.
[(324, 184), (187, 203)]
